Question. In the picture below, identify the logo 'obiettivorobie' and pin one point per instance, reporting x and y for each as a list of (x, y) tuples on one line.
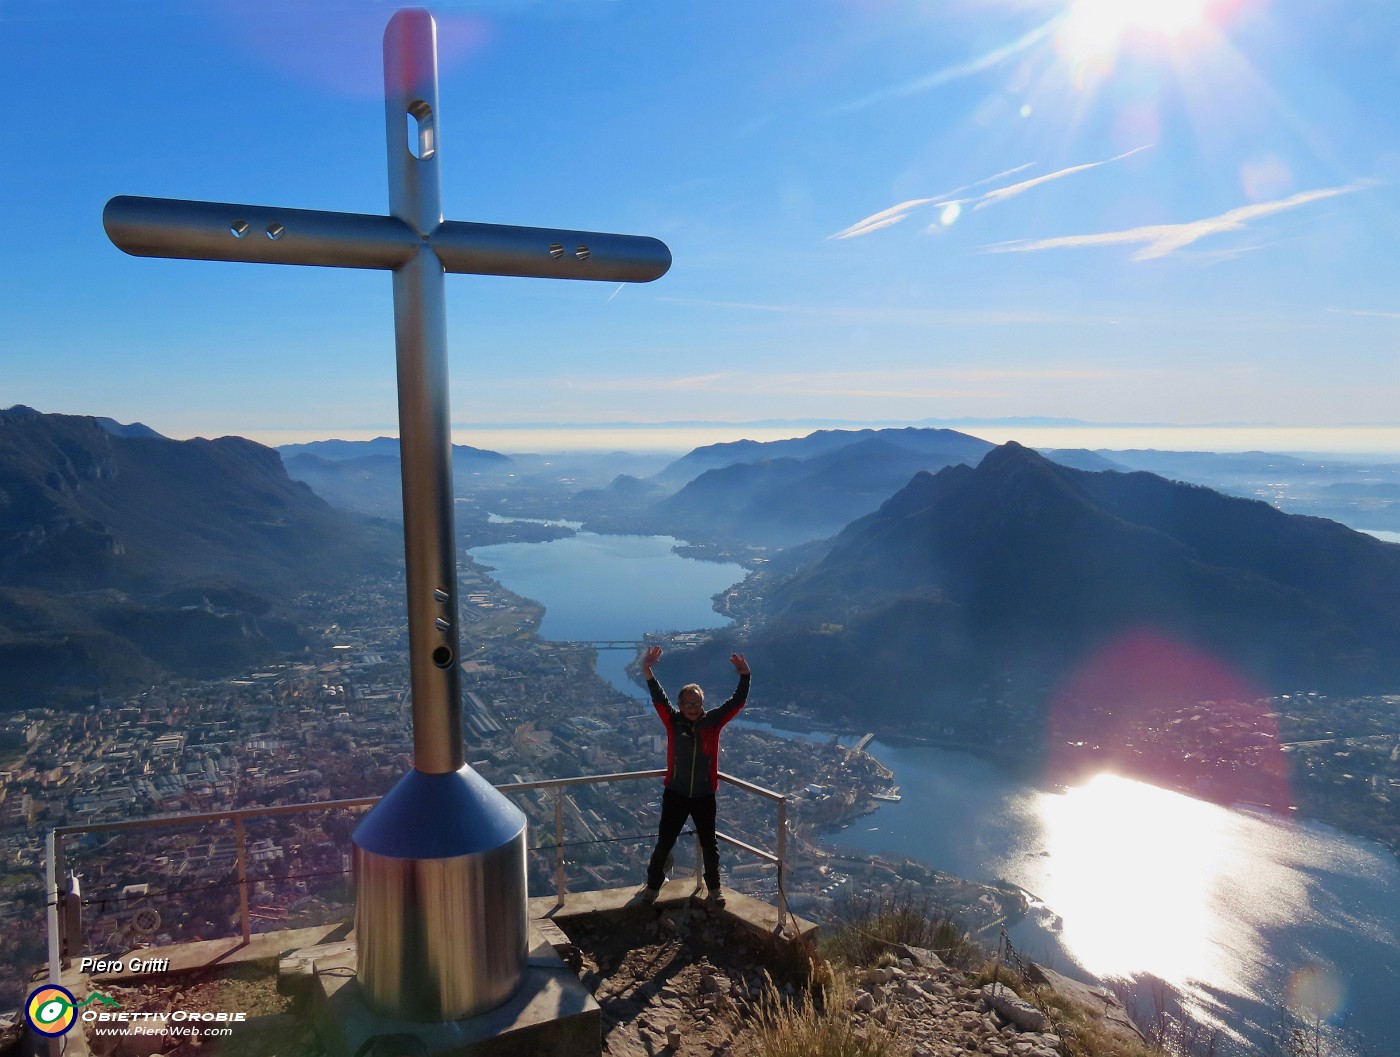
[(51, 1010)]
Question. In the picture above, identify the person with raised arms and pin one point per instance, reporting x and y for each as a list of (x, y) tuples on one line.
[(692, 771)]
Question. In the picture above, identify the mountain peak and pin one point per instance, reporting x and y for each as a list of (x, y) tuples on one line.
[(1011, 453), (1022, 568)]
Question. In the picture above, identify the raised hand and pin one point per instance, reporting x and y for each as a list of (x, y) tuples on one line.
[(653, 655), (740, 665)]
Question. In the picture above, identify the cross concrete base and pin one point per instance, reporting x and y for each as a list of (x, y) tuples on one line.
[(551, 1015)]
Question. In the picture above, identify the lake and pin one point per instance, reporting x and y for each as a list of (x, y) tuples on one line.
[(1238, 909), (612, 587), (1235, 908)]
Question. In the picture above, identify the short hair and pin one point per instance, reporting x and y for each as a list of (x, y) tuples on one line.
[(692, 686)]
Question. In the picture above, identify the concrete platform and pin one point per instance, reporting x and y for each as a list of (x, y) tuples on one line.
[(551, 1015), (266, 947), (758, 917)]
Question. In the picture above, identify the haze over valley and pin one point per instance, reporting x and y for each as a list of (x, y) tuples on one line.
[(1059, 614)]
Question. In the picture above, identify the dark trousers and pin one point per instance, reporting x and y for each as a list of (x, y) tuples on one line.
[(675, 809)]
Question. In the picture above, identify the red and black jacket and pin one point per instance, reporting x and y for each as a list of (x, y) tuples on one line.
[(692, 749)]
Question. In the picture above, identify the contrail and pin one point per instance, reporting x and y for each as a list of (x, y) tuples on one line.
[(1164, 239), (949, 73), (1003, 193)]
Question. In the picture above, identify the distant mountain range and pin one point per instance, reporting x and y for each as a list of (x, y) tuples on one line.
[(364, 475), (123, 554), (791, 491), (938, 442), (973, 581)]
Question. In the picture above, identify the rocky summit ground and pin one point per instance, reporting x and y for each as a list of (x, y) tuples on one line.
[(679, 981), (689, 983)]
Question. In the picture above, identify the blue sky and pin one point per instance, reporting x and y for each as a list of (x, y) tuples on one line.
[(879, 210)]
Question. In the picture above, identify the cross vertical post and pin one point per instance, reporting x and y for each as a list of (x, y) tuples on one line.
[(439, 863), (425, 422)]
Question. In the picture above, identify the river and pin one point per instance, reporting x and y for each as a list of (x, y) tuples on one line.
[(1238, 909)]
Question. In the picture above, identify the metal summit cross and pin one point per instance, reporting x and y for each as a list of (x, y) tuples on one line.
[(440, 861)]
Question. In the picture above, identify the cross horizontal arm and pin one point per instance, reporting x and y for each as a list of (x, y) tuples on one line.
[(219, 231), (548, 253), (223, 231)]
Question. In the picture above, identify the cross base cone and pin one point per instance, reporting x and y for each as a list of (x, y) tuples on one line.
[(440, 898)]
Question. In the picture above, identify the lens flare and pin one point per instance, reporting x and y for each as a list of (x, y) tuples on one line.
[(1153, 706), (1316, 993), (1095, 29)]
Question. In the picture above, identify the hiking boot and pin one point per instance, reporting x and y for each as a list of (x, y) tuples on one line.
[(647, 894), (714, 899)]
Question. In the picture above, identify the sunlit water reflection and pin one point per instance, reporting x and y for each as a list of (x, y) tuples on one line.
[(1149, 881), (1241, 911)]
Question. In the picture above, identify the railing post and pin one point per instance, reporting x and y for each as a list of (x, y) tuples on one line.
[(782, 863), (53, 867), (561, 883), (52, 857), (242, 881)]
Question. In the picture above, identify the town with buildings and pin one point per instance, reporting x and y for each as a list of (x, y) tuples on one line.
[(336, 725)]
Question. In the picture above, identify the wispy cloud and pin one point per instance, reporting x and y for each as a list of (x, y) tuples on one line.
[(1001, 194), (974, 317), (1372, 313), (717, 380), (894, 214), (886, 383), (1160, 240), (884, 218), (947, 74)]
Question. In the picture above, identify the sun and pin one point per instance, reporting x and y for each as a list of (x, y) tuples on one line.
[(1095, 29)]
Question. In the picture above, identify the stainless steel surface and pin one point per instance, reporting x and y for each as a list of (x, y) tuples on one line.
[(214, 816), (425, 424), (228, 231), (440, 862), (420, 335), (583, 779), (759, 852), (438, 816), (53, 860), (548, 253), (561, 879), (210, 231), (440, 903), (782, 863), (53, 853), (242, 862), (411, 100), (440, 939)]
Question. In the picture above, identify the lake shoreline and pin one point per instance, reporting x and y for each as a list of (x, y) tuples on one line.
[(1018, 765)]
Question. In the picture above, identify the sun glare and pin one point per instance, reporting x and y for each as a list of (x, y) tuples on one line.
[(1095, 29)]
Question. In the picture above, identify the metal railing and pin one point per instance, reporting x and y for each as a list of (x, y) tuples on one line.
[(64, 933)]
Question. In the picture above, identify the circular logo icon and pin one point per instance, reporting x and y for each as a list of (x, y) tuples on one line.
[(51, 1010)]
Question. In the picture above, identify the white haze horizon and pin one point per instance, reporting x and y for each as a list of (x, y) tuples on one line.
[(1380, 442)]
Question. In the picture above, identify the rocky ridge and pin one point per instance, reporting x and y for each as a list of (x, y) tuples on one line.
[(689, 983)]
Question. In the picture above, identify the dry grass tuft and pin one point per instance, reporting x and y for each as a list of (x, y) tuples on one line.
[(874, 923), (804, 1028)]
